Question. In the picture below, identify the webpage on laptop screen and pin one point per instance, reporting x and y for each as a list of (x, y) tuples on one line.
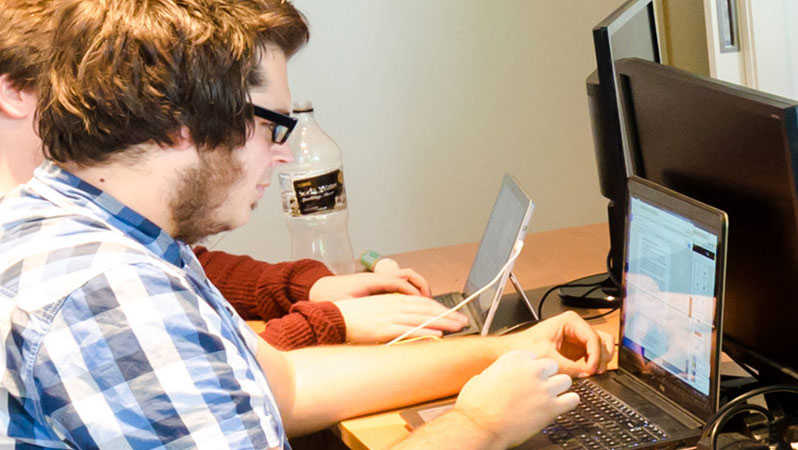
[(670, 284)]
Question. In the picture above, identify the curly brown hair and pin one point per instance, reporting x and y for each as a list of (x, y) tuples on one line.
[(124, 72), (25, 31)]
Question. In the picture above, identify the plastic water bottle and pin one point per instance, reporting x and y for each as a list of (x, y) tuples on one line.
[(313, 196)]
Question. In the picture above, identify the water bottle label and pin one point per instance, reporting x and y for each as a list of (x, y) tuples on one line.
[(319, 193)]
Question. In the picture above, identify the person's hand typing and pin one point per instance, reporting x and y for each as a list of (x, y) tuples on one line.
[(388, 278), (380, 318), (516, 397), (389, 267), (578, 349)]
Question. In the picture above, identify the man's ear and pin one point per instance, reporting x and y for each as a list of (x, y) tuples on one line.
[(15, 103)]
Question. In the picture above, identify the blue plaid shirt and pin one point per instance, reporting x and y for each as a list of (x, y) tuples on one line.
[(112, 335)]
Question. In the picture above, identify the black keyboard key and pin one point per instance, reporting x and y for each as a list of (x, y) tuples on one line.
[(601, 421)]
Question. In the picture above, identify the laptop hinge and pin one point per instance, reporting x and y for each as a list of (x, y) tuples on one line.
[(669, 406)]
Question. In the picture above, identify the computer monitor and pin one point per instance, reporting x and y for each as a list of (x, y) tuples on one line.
[(630, 31), (736, 149)]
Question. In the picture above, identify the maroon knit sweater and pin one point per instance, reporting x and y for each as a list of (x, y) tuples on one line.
[(278, 294)]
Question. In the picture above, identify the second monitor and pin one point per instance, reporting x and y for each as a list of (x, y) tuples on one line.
[(630, 30), (736, 149)]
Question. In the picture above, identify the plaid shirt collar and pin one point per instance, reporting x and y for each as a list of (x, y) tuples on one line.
[(105, 207)]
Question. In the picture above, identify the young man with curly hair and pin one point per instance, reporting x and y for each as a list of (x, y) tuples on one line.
[(161, 122)]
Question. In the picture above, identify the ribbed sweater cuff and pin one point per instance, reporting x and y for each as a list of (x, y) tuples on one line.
[(335, 332), (306, 324), (305, 273)]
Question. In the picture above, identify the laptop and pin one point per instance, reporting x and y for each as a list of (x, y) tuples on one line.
[(507, 224), (666, 386)]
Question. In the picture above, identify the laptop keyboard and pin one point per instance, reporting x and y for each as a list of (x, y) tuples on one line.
[(601, 421), (449, 300)]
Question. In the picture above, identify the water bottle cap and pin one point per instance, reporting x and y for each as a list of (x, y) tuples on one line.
[(303, 106)]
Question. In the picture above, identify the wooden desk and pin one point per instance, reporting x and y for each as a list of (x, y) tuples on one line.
[(548, 258)]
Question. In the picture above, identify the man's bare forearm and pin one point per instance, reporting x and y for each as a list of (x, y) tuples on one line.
[(334, 383), (452, 430)]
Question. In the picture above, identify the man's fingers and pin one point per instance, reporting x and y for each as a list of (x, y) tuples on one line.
[(558, 384), (440, 324), (572, 368), (607, 350), (547, 367), (423, 305), (609, 343), (583, 333), (566, 402), (416, 280), (390, 284)]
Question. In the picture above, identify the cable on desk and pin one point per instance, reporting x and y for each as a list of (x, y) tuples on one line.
[(517, 326), (569, 284), (528, 323), (517, 247), (737, 410), (736, 406), (418, 338), (596, 285)]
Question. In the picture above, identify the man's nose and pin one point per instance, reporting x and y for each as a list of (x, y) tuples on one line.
[(282, 153)]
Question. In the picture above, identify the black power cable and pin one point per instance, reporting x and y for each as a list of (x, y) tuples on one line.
[(554, 288), (736, 405), (736, 410), (595, 286)]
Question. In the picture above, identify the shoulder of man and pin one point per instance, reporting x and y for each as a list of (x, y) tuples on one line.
[(47, 254), (54, 264), (143, 330)]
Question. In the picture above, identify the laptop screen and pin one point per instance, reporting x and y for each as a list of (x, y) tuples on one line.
[(670, 314), (507, 223)]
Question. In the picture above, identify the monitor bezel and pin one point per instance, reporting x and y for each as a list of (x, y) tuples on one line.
[(605, 64), (611, 155)]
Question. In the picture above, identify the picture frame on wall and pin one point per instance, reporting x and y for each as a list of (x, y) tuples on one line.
[(728, 31)]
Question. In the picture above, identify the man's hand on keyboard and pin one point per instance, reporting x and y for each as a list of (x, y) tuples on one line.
[(379, 318), (578, 349), (389, 279), (516, 397)]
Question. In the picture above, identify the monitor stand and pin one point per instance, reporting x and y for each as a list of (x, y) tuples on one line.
[(600, 291), (595, 291)]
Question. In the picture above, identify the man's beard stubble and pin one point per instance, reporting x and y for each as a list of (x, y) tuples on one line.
[(201, 191)]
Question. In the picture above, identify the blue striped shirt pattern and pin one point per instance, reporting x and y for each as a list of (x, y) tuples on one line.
[(113, 337)]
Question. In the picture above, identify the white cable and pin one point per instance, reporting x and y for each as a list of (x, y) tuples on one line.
[(519, 244)]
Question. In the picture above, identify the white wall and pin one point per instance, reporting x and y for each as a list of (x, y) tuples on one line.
[(775, 41), (683, 36), (431, 102), (728, 66)]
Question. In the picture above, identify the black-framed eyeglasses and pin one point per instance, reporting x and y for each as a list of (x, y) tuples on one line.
[(283, 124)]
